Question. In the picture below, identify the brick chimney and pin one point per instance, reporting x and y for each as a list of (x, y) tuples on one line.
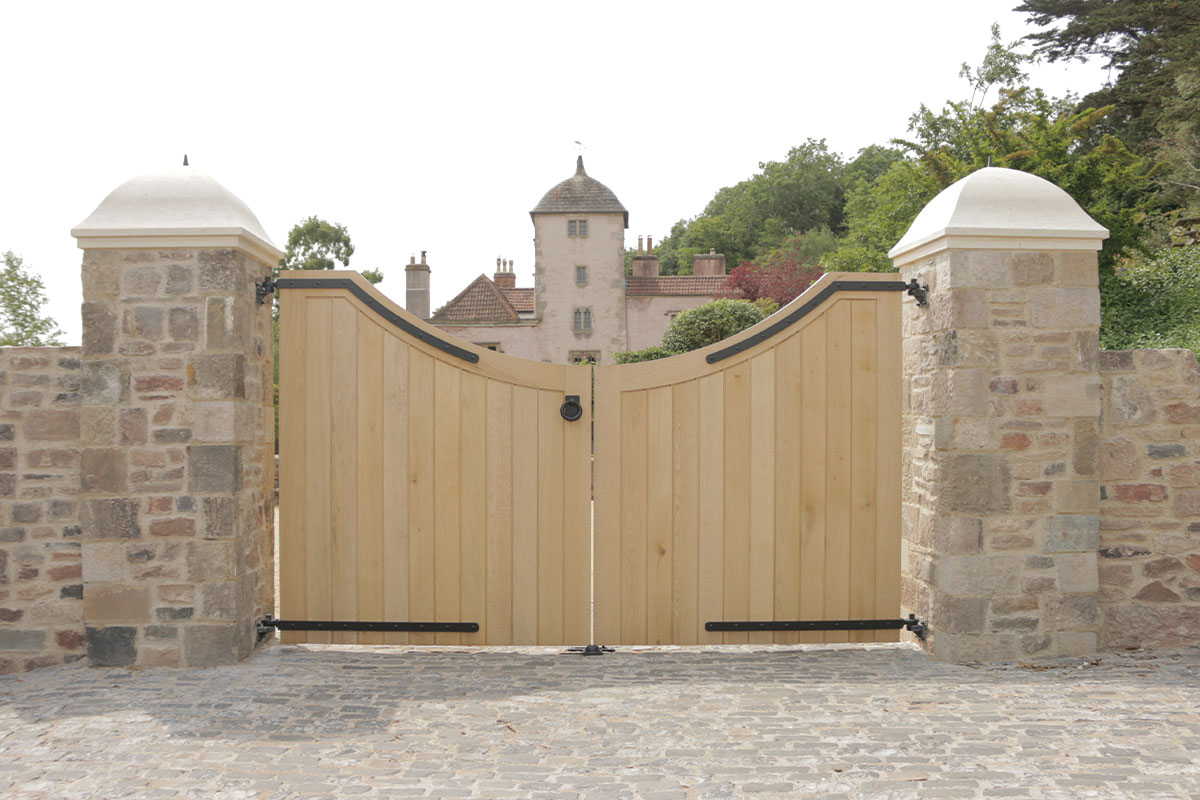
[(416, 296), (645, 265), (505, 278), (711, 264)]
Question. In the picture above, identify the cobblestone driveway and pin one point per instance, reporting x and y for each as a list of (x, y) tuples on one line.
[(866, 721)]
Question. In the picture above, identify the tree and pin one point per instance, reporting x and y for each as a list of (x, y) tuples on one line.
[(781, 276), (1024, 129), (316, 244), (22, 296), (699, 327), (1152, 45), (751, 218)]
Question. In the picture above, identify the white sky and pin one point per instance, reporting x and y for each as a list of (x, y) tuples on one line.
[(438, 126)]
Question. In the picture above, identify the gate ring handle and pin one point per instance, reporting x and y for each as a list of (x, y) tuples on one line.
[(571, 409)]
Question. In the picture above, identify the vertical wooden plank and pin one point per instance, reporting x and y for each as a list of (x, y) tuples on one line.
[(369, 469), (787, 484), (887, 454), (737, 498), (607, 505), (343, 476), (762, 492), (499, 513), (473, 508), (633, 517), (577, 495), (318, 335), (447, 520), (293, 496), (863, 482), (711, 523), (686, 471), (525, 468), (395, 484), (814, 465), (660, 546), (550, 518), (837, 488), (420, 492)]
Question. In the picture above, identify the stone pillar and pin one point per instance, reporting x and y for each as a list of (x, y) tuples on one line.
[(1002, 406), (176, 424), (416, 295)]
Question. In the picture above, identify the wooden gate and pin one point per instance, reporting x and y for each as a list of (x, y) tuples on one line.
[(424, 479), (757, 479)]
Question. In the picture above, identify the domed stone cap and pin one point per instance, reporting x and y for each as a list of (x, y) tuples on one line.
[(177, 208), (999, 209), (580, 194)]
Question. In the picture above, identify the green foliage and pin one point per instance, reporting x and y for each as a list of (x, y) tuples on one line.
[(744, 221), (1024, 130), (1152, 301), (651, 353), (314, 243), (1153, 46), (22, 296), (701, 326)]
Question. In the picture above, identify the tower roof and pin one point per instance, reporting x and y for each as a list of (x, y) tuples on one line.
[(580, 193)]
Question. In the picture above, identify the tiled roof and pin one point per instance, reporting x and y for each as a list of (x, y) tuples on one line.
[(579, 193), (521, 299), (481, 301), (674, 285)]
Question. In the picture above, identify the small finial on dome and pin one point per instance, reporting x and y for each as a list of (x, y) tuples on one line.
[(185, 159), (579, 166)]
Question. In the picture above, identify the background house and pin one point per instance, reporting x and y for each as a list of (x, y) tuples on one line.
[(582, 306)]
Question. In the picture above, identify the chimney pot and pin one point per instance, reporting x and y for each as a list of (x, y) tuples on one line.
[(422, 256), (649, 245), (412, 259), (639, 245)]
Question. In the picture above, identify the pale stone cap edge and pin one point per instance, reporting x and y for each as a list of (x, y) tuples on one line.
[(141, 238), (1014, 240)]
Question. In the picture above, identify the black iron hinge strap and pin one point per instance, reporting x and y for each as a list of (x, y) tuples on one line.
[(803, 311), (381, 310)]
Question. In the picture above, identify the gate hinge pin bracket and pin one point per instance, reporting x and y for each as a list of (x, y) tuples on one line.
[(590, 650), (919, 291), (265, 628), (917, 626), (263, 288)]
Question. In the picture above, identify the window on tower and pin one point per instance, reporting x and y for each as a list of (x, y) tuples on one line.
[(577, 227), (580, 276), (583, 320)]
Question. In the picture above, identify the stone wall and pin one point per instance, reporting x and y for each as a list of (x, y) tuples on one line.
[(1150, 499), (41, 571)]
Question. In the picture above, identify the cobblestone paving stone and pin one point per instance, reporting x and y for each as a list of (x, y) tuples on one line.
[(851, 721)]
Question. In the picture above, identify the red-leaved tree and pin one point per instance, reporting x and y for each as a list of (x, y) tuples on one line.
[(781, 277)]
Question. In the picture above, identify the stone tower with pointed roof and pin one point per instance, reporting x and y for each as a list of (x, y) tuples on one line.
[(579, 268), (582, 306)]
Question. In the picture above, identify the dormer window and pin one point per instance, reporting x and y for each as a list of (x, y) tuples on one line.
[(577, 227)]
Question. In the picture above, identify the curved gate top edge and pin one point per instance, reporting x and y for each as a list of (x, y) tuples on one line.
[(750, 342), (418, 332), (517, 368)]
